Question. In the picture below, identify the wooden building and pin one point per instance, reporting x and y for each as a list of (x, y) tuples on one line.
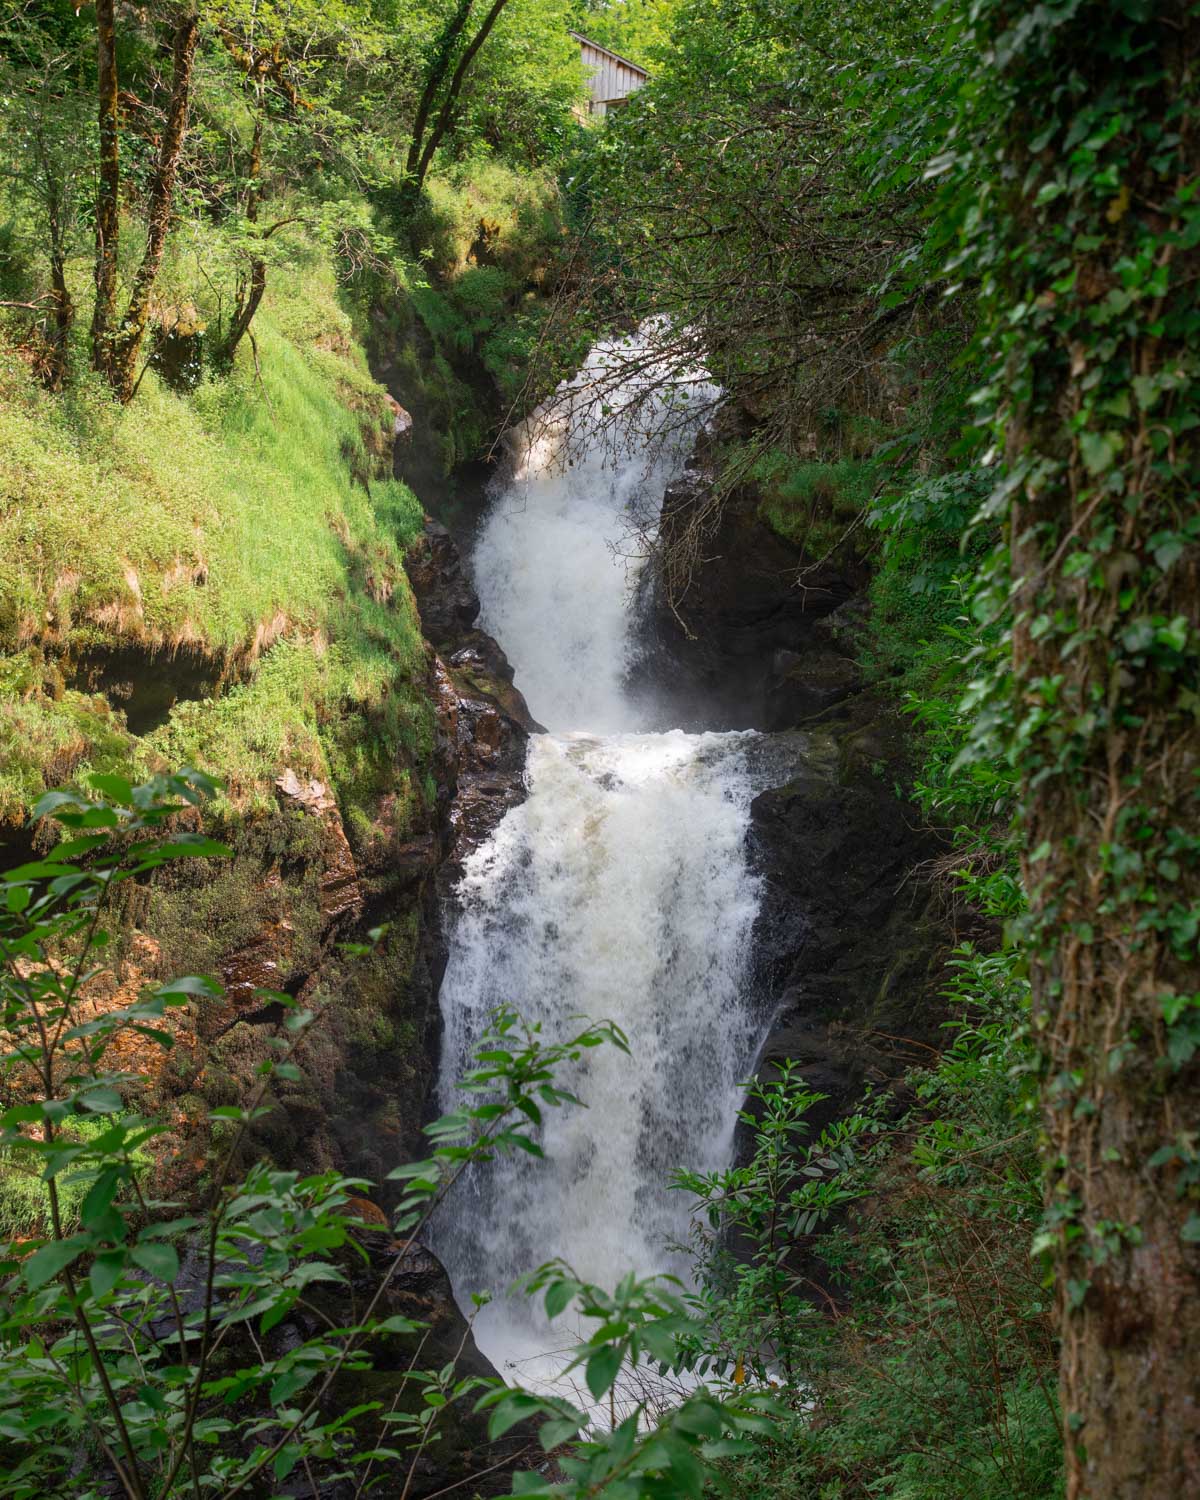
[(611, 78)]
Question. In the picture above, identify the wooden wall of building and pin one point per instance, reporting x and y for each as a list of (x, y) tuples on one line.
[(612, 78)]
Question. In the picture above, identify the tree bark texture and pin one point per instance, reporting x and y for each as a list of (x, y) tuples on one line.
[(1105, 571), (128, 342), (108, 191)]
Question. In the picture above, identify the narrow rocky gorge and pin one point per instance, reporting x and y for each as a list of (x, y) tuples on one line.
[(760, 856)]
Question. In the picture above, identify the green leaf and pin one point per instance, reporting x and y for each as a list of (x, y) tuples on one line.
[(44, 1264), (560, 1430), (190, 984), (558, 1297), (602, 1369), (1098, 450), (106, 1272), (115, 788), (1190, 1233), (96, 1212), (397, 1324), (1175, 634), (102, 1100), (159, 1260), (290, 1382), (1168, 547), (50, 802), (286, 1460)]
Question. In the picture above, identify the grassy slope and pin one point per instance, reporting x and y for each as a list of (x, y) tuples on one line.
[(243, 545), (252, 523)]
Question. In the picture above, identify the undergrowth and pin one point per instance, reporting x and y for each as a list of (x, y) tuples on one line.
[(917, 1340)]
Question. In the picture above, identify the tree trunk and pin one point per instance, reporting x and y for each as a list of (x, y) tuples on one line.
[(454, 89), (59, 203), (128, 342), (108, 192), (250, 292), (64, 312), (1096, 374), (438, 67)]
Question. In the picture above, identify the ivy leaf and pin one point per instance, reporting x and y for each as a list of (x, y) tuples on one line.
[(1173, 635), (1098, 450), (1168, 548)]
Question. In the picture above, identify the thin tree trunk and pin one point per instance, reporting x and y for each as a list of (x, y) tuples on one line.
[(438, 67), (59, 217), (64, 313), (104, 314), (250, 294), (455, 88), (133, 326)]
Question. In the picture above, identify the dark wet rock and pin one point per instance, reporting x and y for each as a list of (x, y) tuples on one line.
[(482, 721), (415, 1286), (851, 941), (384, 1278), (449, 605), (745, 648)]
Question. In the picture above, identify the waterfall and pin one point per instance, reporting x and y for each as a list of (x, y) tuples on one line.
[(558, 557), (618, 890)]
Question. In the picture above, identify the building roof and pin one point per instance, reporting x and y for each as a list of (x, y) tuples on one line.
[(608, 52)]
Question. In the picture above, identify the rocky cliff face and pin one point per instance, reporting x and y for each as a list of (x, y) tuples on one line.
[(483, 722), (851, 939)]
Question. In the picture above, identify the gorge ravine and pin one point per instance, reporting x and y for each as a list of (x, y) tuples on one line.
[(619, 889)]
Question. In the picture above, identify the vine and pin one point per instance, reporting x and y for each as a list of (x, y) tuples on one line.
[(1073, 181)]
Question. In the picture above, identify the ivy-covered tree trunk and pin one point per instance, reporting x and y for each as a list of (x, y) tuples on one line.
[(1087, 236), (439, 66), (453, 89)]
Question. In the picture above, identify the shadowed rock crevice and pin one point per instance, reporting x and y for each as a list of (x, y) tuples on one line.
[(850, 942), (145, 682)]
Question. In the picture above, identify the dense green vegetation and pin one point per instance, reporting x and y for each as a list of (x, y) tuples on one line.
[(230, 526), (239, 514), (942, 260), (943, 270)]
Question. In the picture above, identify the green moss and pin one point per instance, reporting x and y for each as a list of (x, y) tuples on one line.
[(488, 238), (46, 738), (484, 212), (812, 504), (199, 914)]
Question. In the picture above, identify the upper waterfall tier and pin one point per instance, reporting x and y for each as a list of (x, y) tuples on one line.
[(558, 557)]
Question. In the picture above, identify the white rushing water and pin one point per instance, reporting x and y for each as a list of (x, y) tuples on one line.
[(618, 890)]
